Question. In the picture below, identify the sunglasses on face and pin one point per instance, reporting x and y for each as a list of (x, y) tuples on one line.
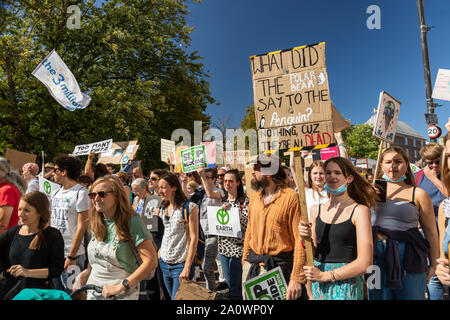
[(154, 178), (221, 175), (429, 163), (57, 169), (101, 194), (228, 181), (209, 177)]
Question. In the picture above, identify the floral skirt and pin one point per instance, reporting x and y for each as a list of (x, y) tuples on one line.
[(349, 289)]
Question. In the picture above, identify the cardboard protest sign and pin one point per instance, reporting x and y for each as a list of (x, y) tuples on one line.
[(330, 152), (167, 151), (267, 286), (210, 147), (441, 88), (339, 122), (119, 152), (387, 117), (224, 223), (291, 98), (61, 83), (96, 147), (150, 220), (193, 158), (17, 158)]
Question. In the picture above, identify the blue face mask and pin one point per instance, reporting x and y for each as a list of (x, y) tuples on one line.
[(385, 177), (339, 190)]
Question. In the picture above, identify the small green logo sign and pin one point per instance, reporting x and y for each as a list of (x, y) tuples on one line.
[(223, 216), (47, 187)]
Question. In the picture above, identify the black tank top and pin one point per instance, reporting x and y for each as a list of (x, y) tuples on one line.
[(336, 243)]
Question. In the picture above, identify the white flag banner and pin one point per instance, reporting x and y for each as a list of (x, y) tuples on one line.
[(61, 83), (46, 186), (96, 147)]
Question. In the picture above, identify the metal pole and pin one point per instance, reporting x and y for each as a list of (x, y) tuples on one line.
[(425, 58)]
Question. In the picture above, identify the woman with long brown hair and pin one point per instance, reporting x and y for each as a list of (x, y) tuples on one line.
[(119, 240), (340, 230), (32, 251), (400, 250), (179, 243)]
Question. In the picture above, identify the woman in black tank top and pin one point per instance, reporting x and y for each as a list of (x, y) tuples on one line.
[(341, 234)]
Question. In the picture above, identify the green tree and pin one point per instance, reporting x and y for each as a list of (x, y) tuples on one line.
[(360, 141), (249, 121), (130, 56)]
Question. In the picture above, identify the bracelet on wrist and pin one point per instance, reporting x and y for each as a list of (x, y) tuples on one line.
[(72, 258)]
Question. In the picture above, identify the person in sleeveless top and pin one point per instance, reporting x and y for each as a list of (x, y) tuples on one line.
[(404, 258), (442, 270), (341, 234)]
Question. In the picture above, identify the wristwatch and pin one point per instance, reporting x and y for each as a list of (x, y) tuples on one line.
[(126, 284)]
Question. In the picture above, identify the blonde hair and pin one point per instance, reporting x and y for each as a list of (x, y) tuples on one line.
[(431, 151), (122, 215)]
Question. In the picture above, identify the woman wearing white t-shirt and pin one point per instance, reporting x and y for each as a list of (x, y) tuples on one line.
[(315, 192)]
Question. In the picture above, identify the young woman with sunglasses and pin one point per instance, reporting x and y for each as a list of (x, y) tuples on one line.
[(400, 250), (113, 260), (231, 249)]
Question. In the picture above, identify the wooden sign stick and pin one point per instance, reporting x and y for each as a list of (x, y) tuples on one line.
[(377, 169), (303, 208)]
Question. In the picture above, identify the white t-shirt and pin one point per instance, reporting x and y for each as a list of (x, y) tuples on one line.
[(312, 198), (66, 204), (33, 185)]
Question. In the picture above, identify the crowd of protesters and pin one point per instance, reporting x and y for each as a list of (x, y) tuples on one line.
[(137, 236)]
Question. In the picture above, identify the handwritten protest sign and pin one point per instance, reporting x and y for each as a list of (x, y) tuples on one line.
[(193, 158), (224, 222), (291, 98), (387, 117), (96, 147), (441, 88), (267, 286), (167, 151)]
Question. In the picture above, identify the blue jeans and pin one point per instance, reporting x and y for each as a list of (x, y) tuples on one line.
[(232, 269), (414, 284), (171, 273), (65, 281)]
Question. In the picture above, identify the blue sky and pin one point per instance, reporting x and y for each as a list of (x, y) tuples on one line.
[(360, 62)]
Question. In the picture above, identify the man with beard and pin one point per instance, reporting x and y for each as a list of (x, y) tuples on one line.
[(272, 237)]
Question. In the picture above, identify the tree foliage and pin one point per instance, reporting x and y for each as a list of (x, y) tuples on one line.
[(360, 142), (130, 56)]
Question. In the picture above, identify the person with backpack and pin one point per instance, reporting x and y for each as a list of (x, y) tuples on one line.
[(429, 179), (181, 232)]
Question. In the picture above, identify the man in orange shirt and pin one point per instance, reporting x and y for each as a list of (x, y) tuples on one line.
[(272, 237)]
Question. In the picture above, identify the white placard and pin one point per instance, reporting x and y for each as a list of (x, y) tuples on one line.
[(96, 147), (441, 88), (224, 223)]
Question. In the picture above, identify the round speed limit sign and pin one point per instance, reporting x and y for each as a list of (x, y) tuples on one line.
[(434, 131)]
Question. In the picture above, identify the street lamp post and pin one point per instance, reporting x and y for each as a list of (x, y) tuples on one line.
[(425, 58)]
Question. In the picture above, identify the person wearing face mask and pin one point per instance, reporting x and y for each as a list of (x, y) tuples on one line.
[(400, 250), (429, 179), (341, 234)]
